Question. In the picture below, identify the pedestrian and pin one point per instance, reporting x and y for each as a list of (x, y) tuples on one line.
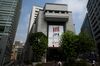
[(59, 63), (93, 63)]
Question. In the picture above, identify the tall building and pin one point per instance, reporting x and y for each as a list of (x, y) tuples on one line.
[(86, 27), (9, 16), (93, 8), (53, 20), (33, 15)]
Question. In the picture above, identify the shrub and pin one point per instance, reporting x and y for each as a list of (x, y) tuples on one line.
[(78, 63), (39, 64), (82, 63), (28, 62)]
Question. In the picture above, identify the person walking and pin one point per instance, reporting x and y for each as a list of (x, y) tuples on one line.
[(59, 63), (93, 63)]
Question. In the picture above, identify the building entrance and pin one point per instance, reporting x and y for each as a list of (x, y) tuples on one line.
[(55, 54)]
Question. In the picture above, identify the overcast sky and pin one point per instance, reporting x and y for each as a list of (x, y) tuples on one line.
[(78, 8)]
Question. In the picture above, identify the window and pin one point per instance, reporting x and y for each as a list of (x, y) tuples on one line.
[(97, 38), (45, 10), (95, 28), (93, 19), (7, 28), (2, 28), (99, 18), (98, 32), (95, 23), (99, 4), (56, 11), (50, 11), (0, 50), (63, 12), (97, 13), (0, 36)]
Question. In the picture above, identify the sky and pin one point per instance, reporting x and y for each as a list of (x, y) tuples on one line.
[(78, 8)]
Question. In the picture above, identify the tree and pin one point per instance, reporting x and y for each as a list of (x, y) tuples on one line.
[(39, 45), (67, 44), (74, 45), (86, 44)]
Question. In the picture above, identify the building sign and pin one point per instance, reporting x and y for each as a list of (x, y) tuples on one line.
[(54, 35)]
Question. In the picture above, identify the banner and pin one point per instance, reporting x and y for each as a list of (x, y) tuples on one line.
[(54, 35)]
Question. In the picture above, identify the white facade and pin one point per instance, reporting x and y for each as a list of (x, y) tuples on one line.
[(54, 35), (34, 14), (52, 20), (54, 16)]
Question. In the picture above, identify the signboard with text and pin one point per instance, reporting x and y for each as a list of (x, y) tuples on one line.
[(54, 35)]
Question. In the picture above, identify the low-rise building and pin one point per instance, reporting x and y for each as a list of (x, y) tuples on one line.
[(17, 52)]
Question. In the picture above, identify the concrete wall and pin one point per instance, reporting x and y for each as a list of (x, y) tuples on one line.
[(69, 24), (41, 24), (33, 16), (58, 7)]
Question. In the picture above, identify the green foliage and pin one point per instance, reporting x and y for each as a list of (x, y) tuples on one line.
[(81, 63), (74, 45), (39, 45), (78, 63), (39, 64), (28, 62), (86, 44), (67, 43)]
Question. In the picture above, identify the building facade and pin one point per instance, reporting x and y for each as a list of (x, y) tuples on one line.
[(86, 27), (9, 16), (33, 15), (93, 8), (52, 20), (17, 52)]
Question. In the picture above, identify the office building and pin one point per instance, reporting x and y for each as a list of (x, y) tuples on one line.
[(17, 52), (93, 8), (33, 15), (53, 20), (9, 16), (86, 27)]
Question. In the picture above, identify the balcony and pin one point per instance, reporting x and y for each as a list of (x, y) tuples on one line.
[(56, 16)]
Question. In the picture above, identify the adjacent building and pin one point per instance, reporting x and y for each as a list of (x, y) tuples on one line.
[(17, 52), (86, 27), (52, 20), (93, 8), (33, 15), (9, 16)]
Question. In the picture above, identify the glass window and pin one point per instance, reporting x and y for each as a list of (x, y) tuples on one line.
[(99, 18), (62, 11), (0, 48), (56, 11), (50, 11), (7, 28), (45, 10), (2, 28)]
